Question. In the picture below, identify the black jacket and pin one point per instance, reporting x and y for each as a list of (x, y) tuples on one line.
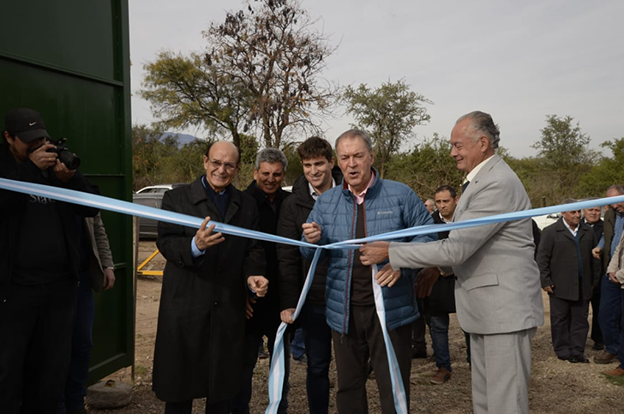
[(266, 310), (557, 259), (201, 321), (293, 267), (442, 298), (13, 213)]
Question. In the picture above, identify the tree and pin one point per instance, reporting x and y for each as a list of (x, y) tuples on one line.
[(565, 149), (157, 160), (608, 171), (389, 113), (260, 71), (272, 50), (428, 166), (564, 157), (185, 91)]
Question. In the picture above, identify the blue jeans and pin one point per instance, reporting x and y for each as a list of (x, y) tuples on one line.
[(317, 337), (82, 343), (297, 345), (610, 314), (438, 328), (621, 348)]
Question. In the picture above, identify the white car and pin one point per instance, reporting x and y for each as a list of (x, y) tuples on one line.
[(160, 188), (151, 196), (546, 220)]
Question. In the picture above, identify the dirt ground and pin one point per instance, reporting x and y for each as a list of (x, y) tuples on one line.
[(556, 386)]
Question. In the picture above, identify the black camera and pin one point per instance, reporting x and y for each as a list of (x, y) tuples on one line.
[(70, 160)]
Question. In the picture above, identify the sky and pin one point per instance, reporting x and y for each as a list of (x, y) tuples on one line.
[(517, 60)]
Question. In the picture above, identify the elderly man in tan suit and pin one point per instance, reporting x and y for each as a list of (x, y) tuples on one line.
[(497, 291)]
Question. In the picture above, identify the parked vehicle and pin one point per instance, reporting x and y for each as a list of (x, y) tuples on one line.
[(151, 196)]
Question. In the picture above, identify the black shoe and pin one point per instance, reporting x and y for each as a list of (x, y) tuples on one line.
[(302, 359), (579, 359), (567, 359), (598, 346)]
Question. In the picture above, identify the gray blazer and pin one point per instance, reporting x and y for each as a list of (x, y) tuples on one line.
[(498, 283), (100, 256)]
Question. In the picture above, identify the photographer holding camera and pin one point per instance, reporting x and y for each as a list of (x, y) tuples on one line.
[(39, 267)]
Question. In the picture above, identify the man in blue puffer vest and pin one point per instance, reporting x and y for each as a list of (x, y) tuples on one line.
[(365, 205)]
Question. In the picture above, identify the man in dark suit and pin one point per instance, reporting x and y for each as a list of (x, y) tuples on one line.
[(610, 292), (591, 217), (264, 317), (497, 287), (569, 273), (201, 321)]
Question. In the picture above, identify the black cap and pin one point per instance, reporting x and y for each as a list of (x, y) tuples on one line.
[(26, 124)]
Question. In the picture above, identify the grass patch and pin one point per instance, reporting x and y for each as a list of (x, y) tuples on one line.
[(140, 370)]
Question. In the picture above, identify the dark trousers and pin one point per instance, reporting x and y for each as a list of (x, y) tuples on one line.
[(621, 348), (240, 403), (596, 333), (185, 407), (317, 338), (569, 326), (610, 314), (419, 328), (82, 344), (362, 344), (36, 325)]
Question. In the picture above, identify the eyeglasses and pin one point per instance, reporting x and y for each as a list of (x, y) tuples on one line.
[(229, 167)]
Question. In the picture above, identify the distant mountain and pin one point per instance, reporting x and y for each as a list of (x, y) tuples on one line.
[(182, 138)]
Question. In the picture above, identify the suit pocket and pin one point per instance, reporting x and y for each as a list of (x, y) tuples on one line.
[(489, 279)]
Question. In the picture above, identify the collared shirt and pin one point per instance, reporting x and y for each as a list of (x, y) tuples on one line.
[(360, 197), (315, 195), (575, 231), (472, 174), (617, 231), (445, 221)]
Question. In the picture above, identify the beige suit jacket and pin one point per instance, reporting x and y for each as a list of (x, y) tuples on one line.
[(498, 282)]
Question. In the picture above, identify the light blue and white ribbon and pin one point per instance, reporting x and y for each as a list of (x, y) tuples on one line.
[(277, 373)]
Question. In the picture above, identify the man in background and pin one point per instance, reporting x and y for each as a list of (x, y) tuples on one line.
[(569, 273), (264, 313), (610, 312), (591, 217)]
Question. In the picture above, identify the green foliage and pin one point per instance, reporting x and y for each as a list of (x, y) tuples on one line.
[(564, 154), (186, 91), (157, 161), (427, 167), (389, 113), (608, 171)]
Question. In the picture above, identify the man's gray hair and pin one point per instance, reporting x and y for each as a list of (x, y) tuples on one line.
[(483, 124), (617, 187), (569, 201), (356, 133), (271, 155)]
